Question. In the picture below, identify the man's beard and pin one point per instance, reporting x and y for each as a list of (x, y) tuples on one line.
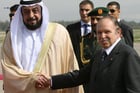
[(34, 26)]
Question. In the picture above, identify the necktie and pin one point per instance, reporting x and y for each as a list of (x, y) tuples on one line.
[(85, 29), (104, 55)]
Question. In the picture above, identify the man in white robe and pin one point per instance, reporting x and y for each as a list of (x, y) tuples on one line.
[(35, 48)]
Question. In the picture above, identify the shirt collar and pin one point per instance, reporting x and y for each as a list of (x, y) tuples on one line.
[(82, 23), (108, 50), (119, 19)]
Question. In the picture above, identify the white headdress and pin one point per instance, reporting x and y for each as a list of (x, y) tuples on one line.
[(17, 27)]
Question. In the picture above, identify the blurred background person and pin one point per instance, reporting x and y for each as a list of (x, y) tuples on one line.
[(96, 14), (13, 9), (78, 32), (127, 31)]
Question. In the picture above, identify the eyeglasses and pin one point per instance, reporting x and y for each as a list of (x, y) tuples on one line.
[(11, 15), (112, 10)]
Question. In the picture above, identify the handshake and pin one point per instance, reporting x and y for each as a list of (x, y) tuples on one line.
[(42, 82)]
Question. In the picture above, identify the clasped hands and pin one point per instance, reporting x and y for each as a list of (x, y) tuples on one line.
[(42, 82)]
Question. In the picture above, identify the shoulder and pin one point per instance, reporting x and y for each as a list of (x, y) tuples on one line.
[(56, 24), (125, 49), (59, 29), (73, 25), (123, 25)]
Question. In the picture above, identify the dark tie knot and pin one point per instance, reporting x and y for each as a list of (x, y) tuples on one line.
[(104, 55), (85, 28), (85, 25)]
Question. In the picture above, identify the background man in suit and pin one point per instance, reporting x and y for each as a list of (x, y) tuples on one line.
[(127, 31), (119, 72), (13, 9), (78, 33), (76, 30)]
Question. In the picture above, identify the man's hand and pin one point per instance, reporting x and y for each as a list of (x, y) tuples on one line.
[(42, 82)]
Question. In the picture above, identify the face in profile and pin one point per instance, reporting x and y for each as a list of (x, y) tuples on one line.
[(94, 21), (107, 32), (32, 16), (11, 15)]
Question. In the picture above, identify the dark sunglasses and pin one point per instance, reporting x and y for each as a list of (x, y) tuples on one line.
[(10, 15), (112, 10)]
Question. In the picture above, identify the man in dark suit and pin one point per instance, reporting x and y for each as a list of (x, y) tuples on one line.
[(119, 72), (79, 34), (76, 31), (127, 31)]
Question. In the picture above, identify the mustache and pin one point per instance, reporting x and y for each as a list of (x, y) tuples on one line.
[(31, 19), (104, 39)]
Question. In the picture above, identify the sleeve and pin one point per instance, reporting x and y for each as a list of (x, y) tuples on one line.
[(128, 34), (71, 79), (132, 73)]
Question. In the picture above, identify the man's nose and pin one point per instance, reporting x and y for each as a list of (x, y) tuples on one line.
[(31, 14)]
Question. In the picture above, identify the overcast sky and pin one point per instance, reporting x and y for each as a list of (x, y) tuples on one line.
[(68, 10)]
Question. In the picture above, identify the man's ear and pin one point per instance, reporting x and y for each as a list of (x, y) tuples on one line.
[(119, 31)]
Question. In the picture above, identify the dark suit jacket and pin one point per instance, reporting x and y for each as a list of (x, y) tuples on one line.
[(75, 35), (127, 32), (120, 73)]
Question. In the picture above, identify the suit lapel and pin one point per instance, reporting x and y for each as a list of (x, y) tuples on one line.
[(78, 31), (111, 57)]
